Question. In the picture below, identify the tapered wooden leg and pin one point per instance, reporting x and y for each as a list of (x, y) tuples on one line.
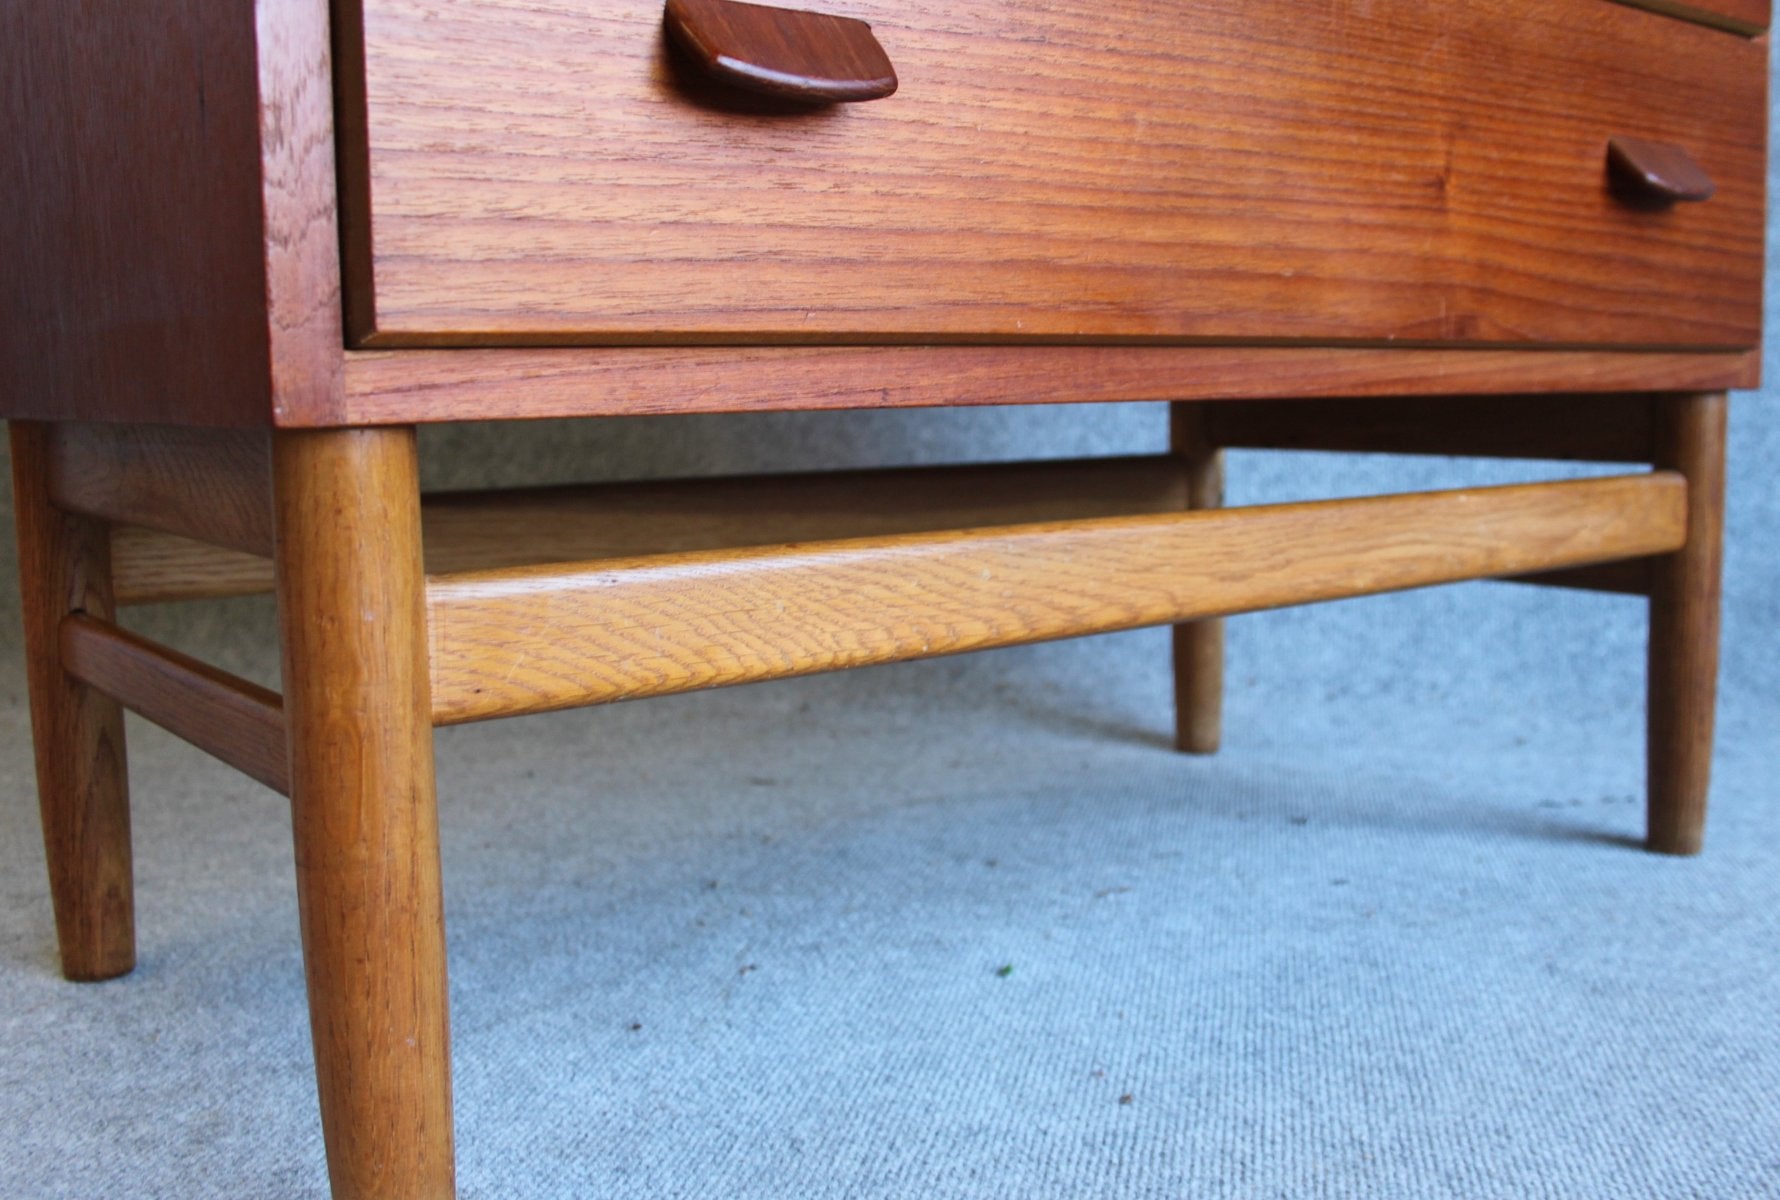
[(78, 734), (1198, 645), (351, 606), (1684, 601)]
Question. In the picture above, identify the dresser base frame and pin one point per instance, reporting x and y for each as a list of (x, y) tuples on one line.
[(377, 652)]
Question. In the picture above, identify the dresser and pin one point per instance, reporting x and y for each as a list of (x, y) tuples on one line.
[(254, 246)]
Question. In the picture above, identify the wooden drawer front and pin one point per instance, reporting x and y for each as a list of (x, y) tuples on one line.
[(1350, 170)]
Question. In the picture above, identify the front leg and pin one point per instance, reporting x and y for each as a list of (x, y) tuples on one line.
[(351, 599)]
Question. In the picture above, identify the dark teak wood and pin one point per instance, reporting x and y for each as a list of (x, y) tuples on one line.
[(133, 225), (810, 57), (1657, 172), (1135, 170)]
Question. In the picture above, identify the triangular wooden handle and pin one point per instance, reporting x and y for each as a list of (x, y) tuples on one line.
[(805, 56), (1657, 171)]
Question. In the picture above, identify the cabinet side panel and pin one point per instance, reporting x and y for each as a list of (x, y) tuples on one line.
[(302, 230), (134, 276)]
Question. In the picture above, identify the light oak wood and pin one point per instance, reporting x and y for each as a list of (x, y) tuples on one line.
[(78, 734), (362, 807), (233, 719), (408, 386), (1198, 645), (1589, 428), (151, 567), (1684, 613), (1130, 169), (474, 531), (209, 484), (529, 640)]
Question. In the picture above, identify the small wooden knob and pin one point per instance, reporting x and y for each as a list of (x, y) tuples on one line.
[(809, 57), (1655, 172)]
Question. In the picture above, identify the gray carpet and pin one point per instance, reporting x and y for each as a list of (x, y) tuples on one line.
[(967, 928)]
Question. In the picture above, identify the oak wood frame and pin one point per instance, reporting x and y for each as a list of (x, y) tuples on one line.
[(613, 546), (521, 640), (485, 530), (1683, 432), (351, 599), (344, 510), (233, 719), (244, 152)]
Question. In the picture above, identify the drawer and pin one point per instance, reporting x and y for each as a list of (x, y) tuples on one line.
[(1346, 171)]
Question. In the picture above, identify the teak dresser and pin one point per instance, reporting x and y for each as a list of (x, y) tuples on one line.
[(250, 246)]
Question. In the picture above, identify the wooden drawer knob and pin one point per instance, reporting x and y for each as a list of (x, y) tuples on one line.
[(1655, 172), (810, 57)]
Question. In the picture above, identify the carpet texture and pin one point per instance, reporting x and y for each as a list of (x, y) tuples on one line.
[(968, 928)]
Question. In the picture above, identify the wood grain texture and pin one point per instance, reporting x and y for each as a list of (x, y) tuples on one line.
[(1127, 169), (209, 484), (233, 719), (1589, 428), (1684, 629), (476, 531), (301, 237), (794, 54), (152, 567), (473, 531), (1198, 646), (77, 734), (534, 639), (362, 807), (173, 221), (400, 387), (1747, 17), (132, 231)]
